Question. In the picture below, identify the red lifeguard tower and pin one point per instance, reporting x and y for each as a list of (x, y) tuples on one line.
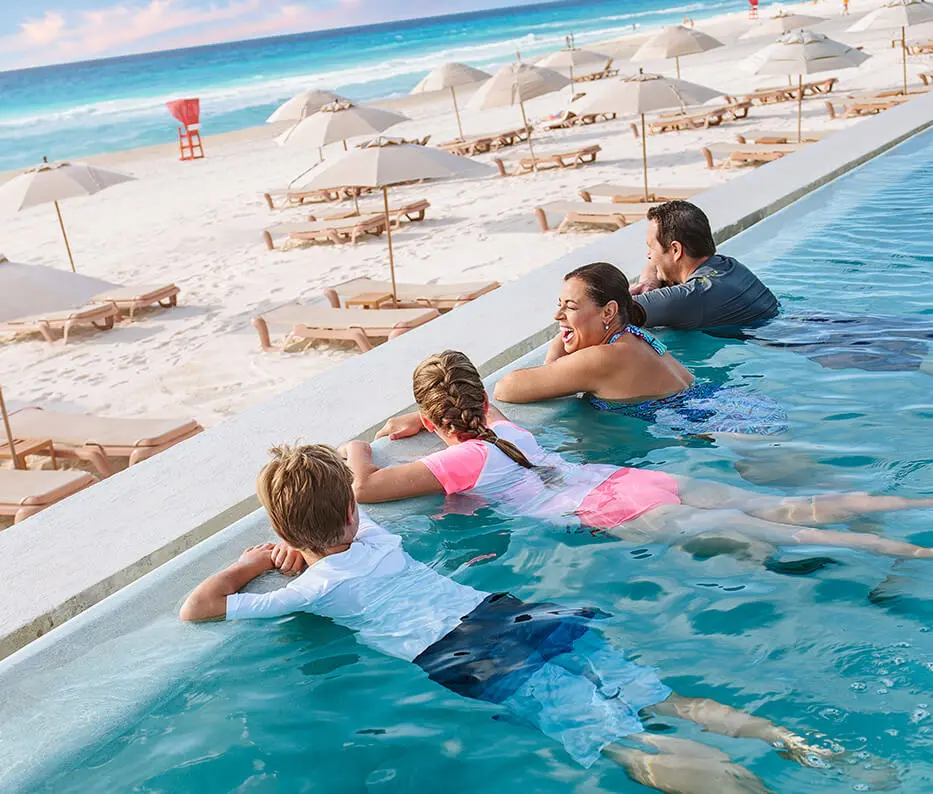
[(753, 9), (188, 112)]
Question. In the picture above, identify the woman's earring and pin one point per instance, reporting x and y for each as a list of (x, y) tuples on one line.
[(606, 326)]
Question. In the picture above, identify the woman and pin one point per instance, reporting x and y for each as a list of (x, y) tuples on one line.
[(489, 457), (602, 351)]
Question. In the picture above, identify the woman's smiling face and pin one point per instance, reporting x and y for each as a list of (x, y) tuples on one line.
[(582, 321)]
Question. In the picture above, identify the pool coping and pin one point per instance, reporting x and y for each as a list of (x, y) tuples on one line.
[(98, 541)]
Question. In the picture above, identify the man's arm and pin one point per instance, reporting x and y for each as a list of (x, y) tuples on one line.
[(676, 307), (581, 371), (648, 280), (208, 601)]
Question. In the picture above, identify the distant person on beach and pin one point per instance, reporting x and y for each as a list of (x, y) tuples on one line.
[(686, 285), (547, 666)]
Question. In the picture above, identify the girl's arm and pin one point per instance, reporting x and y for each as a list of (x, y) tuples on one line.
[(372, 484), (581, 371), (208, 601), (402, 426)]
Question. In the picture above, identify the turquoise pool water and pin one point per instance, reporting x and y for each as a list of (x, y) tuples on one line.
[(843, 652)]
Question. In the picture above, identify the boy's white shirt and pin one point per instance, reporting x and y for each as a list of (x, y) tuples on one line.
[(397, 604)]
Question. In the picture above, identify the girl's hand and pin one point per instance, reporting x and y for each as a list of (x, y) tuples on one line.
[(259, 556), (401, 427), (351, 447), (287, 559)]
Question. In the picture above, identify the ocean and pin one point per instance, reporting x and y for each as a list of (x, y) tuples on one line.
[(79, 109)]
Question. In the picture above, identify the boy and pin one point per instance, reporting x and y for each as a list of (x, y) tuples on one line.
[(544, 663)]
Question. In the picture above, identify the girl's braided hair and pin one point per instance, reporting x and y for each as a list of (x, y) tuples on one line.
[(450, 393)]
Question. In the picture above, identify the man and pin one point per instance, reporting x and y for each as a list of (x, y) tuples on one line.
[(687, 285)]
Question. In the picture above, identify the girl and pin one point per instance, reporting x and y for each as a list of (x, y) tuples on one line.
[(488, 456)]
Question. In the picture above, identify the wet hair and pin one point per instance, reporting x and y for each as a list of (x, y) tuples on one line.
[(605, 283), (308, 493), (450, 394), (687, 224)]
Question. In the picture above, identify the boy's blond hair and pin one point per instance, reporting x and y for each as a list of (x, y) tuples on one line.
[(308, 493)]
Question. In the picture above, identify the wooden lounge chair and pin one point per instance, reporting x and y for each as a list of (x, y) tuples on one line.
[(128, 299), (101, 316), (603, 74), (25, 493), (325, 322), (411, 211), (568, 119), (285, 198), (747, 153), (378, 294), (920, 47), (849, 108), (632, 194), (763, 137), (768, 96), (346, 230), (97, 439), (695, 118), (572, 159), (480, 144), (606, 214)]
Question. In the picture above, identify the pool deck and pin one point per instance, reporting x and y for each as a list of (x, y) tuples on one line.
[(55, 565)]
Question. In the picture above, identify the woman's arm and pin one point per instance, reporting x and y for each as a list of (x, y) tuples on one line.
[(555, 349), (372, 484), (581, 371)]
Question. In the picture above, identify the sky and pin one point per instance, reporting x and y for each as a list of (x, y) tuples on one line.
[(40, 33)]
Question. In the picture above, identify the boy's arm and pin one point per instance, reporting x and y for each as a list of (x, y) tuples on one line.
[(208, 601)]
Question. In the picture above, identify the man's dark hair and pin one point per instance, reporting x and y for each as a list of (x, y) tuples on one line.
[(687, 224)]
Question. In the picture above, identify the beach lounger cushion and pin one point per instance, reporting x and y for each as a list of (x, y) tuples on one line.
[(100, 316), (342, 230), (435, 296), (25, 492), (612, 215)]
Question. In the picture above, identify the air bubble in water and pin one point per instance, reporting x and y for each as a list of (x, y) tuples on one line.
[(919, 714), (812, 759), (858, 686)]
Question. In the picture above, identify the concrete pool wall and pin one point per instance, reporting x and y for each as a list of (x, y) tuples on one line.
[(102, 539)]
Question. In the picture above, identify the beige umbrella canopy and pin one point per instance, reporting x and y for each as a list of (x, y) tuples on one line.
[(640, 94), (573, 57), (303, 105), (897, 14), (337, 122), (804, 52), (781, 23), (674, 42), (35, 289), (381, 166), (515, 84), (54, 182), (450, 76)]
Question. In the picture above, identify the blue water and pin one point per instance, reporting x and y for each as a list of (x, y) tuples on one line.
[(79, 109), (844, 652)]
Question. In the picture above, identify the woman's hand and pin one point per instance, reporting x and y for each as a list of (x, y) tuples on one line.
[(287, 559), (401, 427)]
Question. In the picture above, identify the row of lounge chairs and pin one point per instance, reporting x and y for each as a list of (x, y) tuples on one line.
[(697, 117), (871, 103), (491, 142), (346, 227), (789, 93), (94, 439), (568, 118)]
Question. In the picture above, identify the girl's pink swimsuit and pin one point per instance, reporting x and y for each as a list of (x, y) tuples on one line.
[(597, 495)]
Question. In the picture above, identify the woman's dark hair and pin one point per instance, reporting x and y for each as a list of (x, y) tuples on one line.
[(687, 224), (604, 283)]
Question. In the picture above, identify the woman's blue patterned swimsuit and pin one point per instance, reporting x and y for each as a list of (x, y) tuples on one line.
[(702, 407)]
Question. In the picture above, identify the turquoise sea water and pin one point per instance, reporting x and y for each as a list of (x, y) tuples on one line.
[(79, 109), (843, 652)]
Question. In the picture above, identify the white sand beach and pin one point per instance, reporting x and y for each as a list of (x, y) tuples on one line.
[(199, 225)]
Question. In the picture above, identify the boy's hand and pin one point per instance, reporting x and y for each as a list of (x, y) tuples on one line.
[(287, 559), (401, 427), (259, 557)]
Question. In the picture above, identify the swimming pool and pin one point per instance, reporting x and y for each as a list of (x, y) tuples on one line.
[(297, 705)]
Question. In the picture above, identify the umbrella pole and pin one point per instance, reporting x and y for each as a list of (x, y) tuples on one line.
[(644, 155), (385, 201), (904, 55), (531, 148), (677, 61), (356, 200), (453, 94), (9, 434), (799, 106), (345, 145), (65, 235)]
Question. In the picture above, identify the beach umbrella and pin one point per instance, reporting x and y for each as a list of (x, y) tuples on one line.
[(303, 105), (451, 76), (803, 52), (36, 289), (381, 165), (338, 121), (674, 42), (621, 48), (782, 22), (55, 182), (640, 94), (897, 14), (570, 57), (515, 84)]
